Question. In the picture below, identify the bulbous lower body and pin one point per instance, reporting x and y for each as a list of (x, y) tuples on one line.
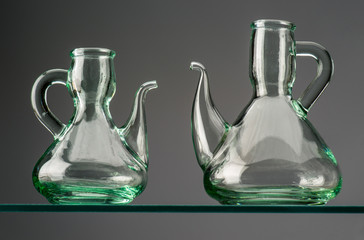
[(272, 156), (87, 192), (87, 181), (119, 189), (66, 192), (273, 182)]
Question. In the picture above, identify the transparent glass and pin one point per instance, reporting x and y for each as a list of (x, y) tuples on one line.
[(91, 161), (271, 154)]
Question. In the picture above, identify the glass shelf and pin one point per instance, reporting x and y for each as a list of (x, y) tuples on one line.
[(180, 208)]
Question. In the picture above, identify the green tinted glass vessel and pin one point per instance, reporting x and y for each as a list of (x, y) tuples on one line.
[(91, 161), (271, 154)]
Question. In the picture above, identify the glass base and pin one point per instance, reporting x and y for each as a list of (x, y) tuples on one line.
[(88, 200), (87, 195), (273, 196), (273, 201)]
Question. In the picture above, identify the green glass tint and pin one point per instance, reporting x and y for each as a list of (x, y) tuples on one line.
[(271, 154), (91, 161)]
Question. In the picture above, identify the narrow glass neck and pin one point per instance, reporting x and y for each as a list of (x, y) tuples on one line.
[(272, 58), (92, 77)]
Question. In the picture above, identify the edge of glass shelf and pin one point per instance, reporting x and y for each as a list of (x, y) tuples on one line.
[(180, 208)]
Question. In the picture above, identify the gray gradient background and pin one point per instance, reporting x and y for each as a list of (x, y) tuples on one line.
[(157, 40)]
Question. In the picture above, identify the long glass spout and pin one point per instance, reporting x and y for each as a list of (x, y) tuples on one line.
[(135, 129), (208, 126)]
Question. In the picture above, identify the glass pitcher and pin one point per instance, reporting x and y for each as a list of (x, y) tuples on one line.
[(271, 154), (91, 161)]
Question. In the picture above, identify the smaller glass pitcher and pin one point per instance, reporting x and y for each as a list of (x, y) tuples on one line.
[(91, 161), (271, 154)]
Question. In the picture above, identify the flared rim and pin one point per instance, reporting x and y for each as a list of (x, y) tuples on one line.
[(92, 52), (273, 24)]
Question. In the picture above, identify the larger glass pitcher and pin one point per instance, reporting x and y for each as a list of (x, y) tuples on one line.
[(271, 154), (91, 161)]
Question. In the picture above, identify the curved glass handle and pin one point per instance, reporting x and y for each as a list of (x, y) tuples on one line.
[(325, 69), (39, 99)]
